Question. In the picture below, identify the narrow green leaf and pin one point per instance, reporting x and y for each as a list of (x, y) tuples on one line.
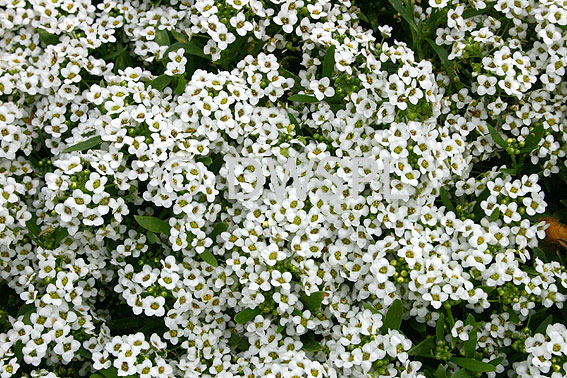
[(162, 37), (303, 98), (462, 373), (152, 237), (180, 37), (496, 361), (47, 38), (190, 48), (514, 318), (539, 253), (445, 199), (441, 372), (153, 224), (405, 12), (443, 55), (246, 315), (440, 328), (312, 345), (473, 365), (424, 348), (533, 138), (209, 258), (206, 160), (32, 226), (495, 215), (470, 345), (287, 73), (84, 145), (497, 137), (329, 62), (60, 234), (313, 302), (124, 323), (293, 120), (393, 318), (218, 229), (116, 53), (370, 307), (181, 84), (471, 12), (234, 340), (161, 82), (543, 325)]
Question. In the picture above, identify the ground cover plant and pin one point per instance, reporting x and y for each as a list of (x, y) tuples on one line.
[(124, 254)]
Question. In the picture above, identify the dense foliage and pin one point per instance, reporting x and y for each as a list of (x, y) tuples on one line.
[(123, 254)]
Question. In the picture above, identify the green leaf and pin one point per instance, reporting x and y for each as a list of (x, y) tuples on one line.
[(60, 234), (460, 374), (235, 340), (116, 53), (303, 98), (313, 302), (370, 307), (543, 325), (496, 361), (477, 210), (440, 328), (497, 137), (445, 199), (218, 229), (393, 318), (124, 323), (441, 372), (181, 84), (47, 38), (539, 253), (424, 348), (473, 365), (180, 37), (112, 372), (161, 82), (162, 37), (293, 120), (312, 345), (33, 227), (495, 215), (533, 138), (84, 353), (152, 237), (96, 375), (405, 12), (190, 48), (209, 258), (329, 62), (471, 12), (246, 315), (153, 224), (514, 318), (287, 73), (443, 55), (84, 145), (470, 345)]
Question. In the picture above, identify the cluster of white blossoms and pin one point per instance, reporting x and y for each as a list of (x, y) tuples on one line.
[(122, 251)]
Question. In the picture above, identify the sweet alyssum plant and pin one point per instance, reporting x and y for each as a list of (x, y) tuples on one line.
[(116, 263)]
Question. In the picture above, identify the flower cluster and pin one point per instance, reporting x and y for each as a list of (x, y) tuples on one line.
[(123, 252)]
